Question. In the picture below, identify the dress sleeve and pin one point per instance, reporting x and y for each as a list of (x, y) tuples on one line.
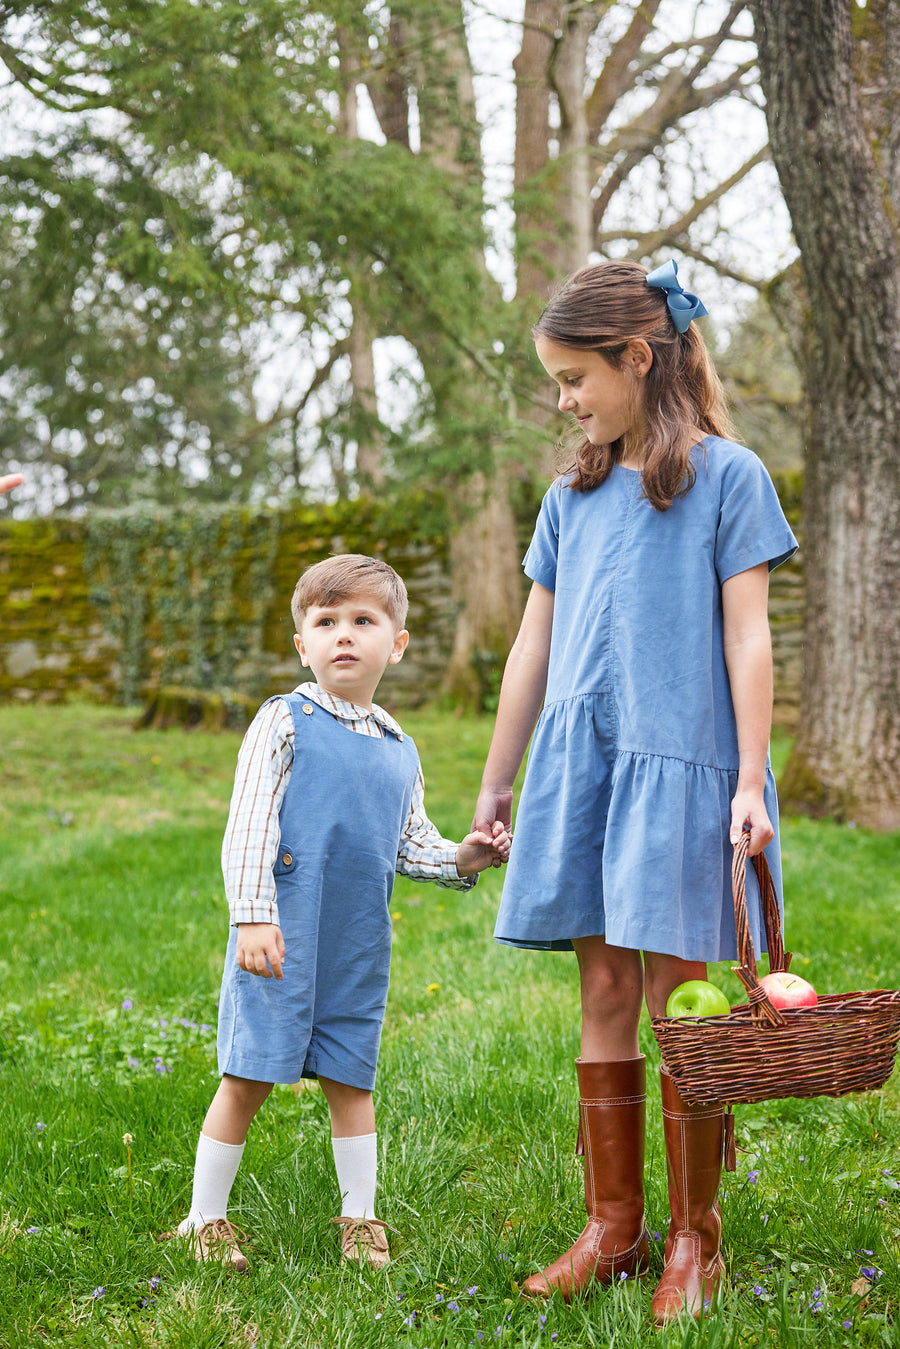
[(752, 527), (541, 558)]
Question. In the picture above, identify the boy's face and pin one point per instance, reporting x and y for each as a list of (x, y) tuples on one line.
[(348, 645)]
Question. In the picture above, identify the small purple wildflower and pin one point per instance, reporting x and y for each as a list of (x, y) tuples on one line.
[(127, 1005), (39, 1127), (863, 1251), (656, 1236), (765, 1219), (98, 1292), (410, 1320), (132, 1061), (758, 1289), (623, 1275), (378, 1316), (439, 1297), (848, 1325), (753, 1177), (473, 1290), (543, 1320), (154, 1283), (454, 1306), (29, 1231)]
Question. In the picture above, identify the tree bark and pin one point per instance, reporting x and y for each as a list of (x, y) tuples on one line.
[(828, 72)]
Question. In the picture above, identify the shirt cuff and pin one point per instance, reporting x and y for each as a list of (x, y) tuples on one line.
[(263, 911), (450, 878)]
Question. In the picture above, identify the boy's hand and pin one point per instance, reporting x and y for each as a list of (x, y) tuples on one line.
[(260, 949), (483, 849)]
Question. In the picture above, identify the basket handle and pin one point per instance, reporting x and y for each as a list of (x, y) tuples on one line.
[(779, 959)]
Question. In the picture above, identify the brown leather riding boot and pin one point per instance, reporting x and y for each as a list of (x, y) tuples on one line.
[(612, 1109), (693, 1261)]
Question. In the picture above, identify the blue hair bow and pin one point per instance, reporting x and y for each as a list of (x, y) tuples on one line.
[(683, 306)]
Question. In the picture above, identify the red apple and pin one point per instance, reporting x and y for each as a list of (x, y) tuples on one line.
[(784, 989)]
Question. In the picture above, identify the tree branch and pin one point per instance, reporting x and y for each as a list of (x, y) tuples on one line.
[(677, 230)]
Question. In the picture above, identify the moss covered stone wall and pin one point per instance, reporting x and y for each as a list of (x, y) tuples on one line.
[(119, 603)]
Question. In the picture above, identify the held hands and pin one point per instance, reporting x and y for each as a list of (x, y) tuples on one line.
[(482, 849), (260, 949), (748, 808)]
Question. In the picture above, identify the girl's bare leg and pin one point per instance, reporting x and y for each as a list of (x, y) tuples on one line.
[(662, 974), (612, 984)]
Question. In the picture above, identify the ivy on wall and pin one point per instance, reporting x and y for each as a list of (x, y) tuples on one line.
[(185, 593), (123, 604)]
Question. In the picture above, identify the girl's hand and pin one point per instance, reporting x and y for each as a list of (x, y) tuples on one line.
[(748, 808), (260, 949), (483, 848), (10, 480), (493, 807)]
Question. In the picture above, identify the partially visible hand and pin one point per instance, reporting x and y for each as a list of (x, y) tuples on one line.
[(493, 807), (483, 848), (749, 808), (260, 949), (9, 481)]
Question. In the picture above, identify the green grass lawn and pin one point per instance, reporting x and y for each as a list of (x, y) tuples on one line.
[(115, 927)]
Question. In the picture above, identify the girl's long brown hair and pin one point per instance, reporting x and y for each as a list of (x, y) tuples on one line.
[(600, 309)]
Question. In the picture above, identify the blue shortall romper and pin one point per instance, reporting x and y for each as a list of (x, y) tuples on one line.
[(341, 823), (622, 827)]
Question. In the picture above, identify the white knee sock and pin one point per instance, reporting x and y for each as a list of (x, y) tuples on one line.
[(356, 1164), (214, 1171)]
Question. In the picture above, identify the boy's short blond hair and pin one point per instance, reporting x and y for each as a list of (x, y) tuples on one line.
[(342, 577)]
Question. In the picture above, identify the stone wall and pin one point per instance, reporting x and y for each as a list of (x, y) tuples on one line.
[(110, 608)]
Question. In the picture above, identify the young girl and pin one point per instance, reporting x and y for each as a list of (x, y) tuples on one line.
[(646, 638)]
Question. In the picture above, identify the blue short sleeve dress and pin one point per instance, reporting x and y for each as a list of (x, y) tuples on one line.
[(622, 826)]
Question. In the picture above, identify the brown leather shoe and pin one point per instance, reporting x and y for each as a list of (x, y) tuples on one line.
[(614, 1242), (364, 1240), (219, 1241), (693, 1261)]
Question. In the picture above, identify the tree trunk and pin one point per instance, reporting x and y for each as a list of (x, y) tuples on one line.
[(369, 435), (488, 588), (484, 554), (824, 71)]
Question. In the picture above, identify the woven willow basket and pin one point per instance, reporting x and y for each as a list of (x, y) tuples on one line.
[(758, 1053)]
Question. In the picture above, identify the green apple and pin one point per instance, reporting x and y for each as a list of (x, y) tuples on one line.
[(697, 998)]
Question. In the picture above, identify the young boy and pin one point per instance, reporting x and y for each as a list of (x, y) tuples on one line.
[(327, 805)]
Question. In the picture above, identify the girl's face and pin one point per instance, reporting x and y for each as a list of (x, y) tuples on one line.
[(604, 399)]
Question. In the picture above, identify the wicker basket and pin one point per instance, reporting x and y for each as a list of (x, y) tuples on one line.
[(757, 1053)]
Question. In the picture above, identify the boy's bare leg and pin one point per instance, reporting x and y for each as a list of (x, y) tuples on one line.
[(354, 1143), (219, 1151), (352, 1109), (233, 1108)]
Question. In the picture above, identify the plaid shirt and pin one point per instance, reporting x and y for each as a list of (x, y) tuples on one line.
[(263, 771)]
